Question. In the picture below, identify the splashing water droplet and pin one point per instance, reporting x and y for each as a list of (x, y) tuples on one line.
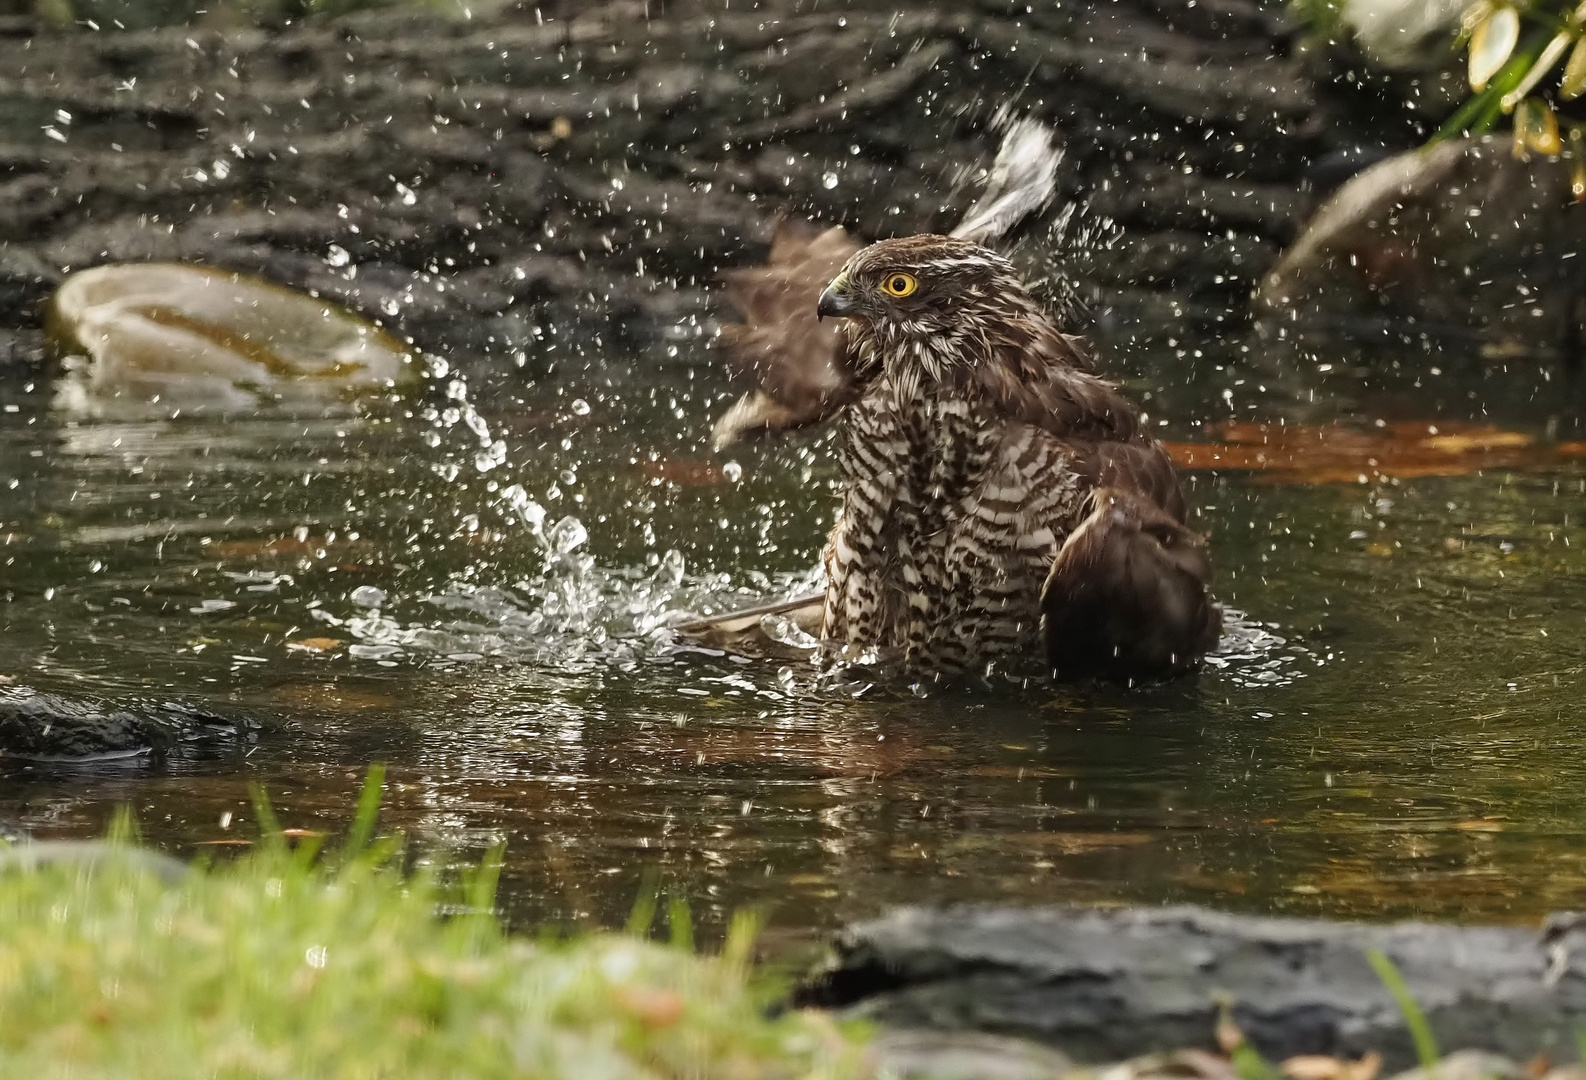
[(532, 513), (785, 631), (732, 471), (669, 574), (567, 535), (580, 407), (367, 596), (829, 181), (336, 255)]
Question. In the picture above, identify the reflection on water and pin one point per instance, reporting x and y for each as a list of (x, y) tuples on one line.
[(482, 601)]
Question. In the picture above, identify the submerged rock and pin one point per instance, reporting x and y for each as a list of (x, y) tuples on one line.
[(193, 338), (48, 727), (1102, 985)]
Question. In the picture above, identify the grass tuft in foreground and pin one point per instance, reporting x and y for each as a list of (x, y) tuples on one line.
[(286, 963)]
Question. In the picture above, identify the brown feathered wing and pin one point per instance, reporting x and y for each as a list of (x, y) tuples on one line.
[(797, 363)]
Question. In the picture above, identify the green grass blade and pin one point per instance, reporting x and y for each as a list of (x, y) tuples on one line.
[(738, 949), (642, 917), (269, 825), (368, 812), (681, 922), (1414, 1019)]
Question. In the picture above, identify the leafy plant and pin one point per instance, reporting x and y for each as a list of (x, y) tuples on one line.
[(1513, 51)]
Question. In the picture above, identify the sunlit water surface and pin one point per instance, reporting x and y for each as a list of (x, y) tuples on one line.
[(1393, 730)]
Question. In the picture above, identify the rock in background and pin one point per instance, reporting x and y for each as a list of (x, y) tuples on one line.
[(484, 183)]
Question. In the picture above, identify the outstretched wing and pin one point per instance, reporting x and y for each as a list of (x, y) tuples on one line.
[(797, 363), (800, 371)]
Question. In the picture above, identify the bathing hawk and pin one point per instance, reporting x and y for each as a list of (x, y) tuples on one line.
[(998, 497)]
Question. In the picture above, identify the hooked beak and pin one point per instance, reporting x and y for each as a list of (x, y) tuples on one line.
[(835, 300)]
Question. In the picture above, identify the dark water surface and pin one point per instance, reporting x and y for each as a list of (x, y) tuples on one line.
[(1403, 738)]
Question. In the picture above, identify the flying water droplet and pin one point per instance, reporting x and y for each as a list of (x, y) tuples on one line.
[(367, 596), (567, 536), (669, 574), (580, 407)]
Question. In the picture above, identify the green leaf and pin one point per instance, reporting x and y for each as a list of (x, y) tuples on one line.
[(1544, 63)]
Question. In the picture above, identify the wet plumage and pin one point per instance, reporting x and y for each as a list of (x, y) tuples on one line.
[(991, 479), (999, 498)]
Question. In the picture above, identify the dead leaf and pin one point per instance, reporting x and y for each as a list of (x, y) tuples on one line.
[(299, 834), (314, 644), (1343, 454), (1322, 1067), (1230, 1036)]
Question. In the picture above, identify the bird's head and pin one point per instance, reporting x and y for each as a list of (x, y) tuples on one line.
[(921, 286)]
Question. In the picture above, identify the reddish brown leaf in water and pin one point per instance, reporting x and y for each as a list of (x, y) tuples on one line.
[(1339, 454), (314, 644)]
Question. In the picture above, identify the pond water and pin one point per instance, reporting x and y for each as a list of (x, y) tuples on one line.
[(1393, 730)]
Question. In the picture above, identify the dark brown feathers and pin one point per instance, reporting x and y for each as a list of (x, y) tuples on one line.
[(1127, 593)]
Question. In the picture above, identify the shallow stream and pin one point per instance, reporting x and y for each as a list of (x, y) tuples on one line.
[(1394, 728)]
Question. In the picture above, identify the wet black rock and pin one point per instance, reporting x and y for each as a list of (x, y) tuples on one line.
[(49, 727), (480, 184), (1100, 985)]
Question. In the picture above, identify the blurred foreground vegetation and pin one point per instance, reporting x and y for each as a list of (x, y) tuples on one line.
[(288, 963)]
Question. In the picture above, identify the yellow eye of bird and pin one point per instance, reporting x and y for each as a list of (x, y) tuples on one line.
[(899, 284)]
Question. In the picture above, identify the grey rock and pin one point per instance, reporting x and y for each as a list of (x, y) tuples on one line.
[(1102, 985), (597, 150), (919, 1054)]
